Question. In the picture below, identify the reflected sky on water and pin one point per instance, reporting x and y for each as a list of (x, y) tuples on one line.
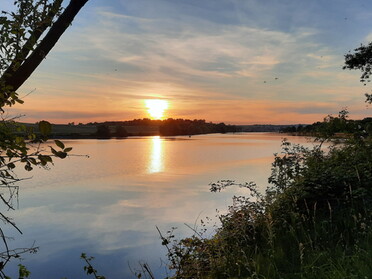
[(108, 205)]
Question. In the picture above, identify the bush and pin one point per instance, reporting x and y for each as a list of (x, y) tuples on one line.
[(313, 221)]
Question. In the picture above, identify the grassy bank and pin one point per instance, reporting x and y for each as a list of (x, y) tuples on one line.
[(314, 221)]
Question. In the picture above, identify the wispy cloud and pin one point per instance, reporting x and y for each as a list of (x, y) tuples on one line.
[(219, 51), (194, 54)]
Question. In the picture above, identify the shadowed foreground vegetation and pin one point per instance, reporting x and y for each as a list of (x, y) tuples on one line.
[(314, 221)]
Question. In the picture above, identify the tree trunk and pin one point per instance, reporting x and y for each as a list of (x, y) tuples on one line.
[(14, 80)]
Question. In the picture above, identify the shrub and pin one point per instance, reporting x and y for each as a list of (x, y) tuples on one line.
[(314, 220)]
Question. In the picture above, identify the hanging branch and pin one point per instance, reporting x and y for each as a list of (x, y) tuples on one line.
[(14, 78)]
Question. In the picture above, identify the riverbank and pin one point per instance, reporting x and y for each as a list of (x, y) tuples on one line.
[(314, 221)]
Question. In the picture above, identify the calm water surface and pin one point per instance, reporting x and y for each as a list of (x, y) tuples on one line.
[(108, 205)]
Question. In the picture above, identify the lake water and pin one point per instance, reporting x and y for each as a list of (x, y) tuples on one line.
[(108, 205)]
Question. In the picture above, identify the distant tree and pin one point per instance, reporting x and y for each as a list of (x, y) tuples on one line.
[(121, 132), (174, 127), (290, 129), (221, 128), (361, 59), (103, 131)]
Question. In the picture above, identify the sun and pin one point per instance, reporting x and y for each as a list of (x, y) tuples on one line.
[(156, 108)]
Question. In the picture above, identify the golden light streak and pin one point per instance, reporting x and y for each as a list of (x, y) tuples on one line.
[(156, 160)]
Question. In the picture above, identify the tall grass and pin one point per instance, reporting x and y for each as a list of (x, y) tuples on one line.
[(314, 221)]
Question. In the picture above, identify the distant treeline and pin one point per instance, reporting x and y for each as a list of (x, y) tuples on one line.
[(172, 127), (168, 127), (264, 127), (136, 127), (332, 125)]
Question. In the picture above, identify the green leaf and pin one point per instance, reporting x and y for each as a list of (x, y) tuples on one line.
[(59, 144), (19, 140), (31, 137), (61, 154), (53, 151), (43, 162), (44, 159), (68, 149), (45, 128), (23, 271), (28, 167), (11, 165)]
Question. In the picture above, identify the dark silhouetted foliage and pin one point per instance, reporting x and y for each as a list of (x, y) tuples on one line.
[(27, 34), (103, 132), (121, 132), (361, 60), (175, 127), (315, 221)]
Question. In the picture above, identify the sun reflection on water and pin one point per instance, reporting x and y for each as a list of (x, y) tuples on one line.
[(156, 159)]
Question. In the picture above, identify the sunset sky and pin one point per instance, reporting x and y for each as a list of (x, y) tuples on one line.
[(232, 61)]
